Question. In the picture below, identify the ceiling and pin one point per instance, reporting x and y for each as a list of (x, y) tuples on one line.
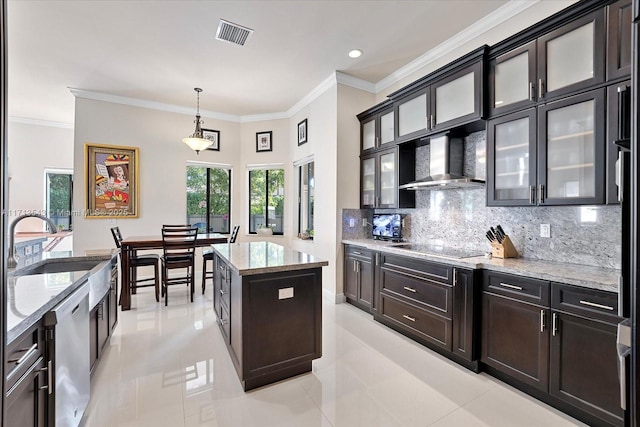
[(159, 51)]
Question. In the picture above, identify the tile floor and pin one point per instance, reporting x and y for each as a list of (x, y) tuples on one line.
[(168, 366)]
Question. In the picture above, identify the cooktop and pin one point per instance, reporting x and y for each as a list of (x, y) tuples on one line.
[(443, 251)]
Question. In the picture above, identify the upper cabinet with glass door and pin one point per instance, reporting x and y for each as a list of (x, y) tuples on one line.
[(560, 62), (450, 97), (377, 127)]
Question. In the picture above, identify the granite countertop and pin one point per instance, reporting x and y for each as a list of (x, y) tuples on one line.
[(30, 296), (605, 279), (264, 257)]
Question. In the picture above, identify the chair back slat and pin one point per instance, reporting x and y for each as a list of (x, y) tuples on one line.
[(234, 234), (117, 236)]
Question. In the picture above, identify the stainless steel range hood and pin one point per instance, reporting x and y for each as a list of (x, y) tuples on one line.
[(446, 160)]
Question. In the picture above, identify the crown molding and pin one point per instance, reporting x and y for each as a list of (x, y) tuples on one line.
[(355, 82), (36, 122), (136, 102), (480, 27)]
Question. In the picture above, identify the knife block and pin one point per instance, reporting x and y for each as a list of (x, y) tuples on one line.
[(504, 249)]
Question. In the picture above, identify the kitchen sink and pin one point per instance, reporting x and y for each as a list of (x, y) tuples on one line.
[(58, 267)]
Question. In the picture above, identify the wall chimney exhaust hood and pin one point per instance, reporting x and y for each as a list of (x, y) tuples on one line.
[(446, 160)]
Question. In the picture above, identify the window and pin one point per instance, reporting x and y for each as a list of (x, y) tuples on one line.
[(59, 193), (209, 198), (266, 199), (306, 191)]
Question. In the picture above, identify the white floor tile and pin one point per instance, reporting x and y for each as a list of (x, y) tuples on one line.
[(168, 366)]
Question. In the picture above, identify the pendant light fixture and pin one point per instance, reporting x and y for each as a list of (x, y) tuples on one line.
[(196, 142)]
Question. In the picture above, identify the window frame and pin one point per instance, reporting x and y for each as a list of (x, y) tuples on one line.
[(208, 167), (266, 168), (305, 163)]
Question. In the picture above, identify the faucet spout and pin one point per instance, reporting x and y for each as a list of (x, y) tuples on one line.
[(12, 261)]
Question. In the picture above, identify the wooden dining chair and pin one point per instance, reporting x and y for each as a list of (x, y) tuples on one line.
[(136, 261), (179, 248), (207, 255)]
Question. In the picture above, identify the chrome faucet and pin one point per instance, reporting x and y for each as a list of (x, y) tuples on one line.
[(12, 262)]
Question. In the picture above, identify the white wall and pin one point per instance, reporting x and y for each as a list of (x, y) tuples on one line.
[(31, 150)]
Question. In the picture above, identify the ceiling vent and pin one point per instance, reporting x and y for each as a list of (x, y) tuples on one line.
[(233, 33)]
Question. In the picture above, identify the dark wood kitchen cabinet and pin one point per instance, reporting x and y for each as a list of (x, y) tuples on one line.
[(618, 128), (377, 127), (565, 139), (379, 180), (450, 97), (26, 400), (515, 340), (561, 62), (557, 341), (619, 40), (27, 379), (359, 266), (430, 302), (99, 330)]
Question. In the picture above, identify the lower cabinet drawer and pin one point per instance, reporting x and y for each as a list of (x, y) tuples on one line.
[(22, 353), (430, 327), (435, 297)]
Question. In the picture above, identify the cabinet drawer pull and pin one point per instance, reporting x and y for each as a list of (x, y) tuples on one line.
[(221, 268), (413, 319), (506, 285), (596, 305), (542, 325), (357, 253), (410, 289), (29, 352), (554, 324)]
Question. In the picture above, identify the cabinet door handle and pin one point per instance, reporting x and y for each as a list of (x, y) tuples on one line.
[(410, 289), (542, 325), (413, 319), (29, 352), (506, 285), (620, 175), (532, 90), (596, 305), (541, 194), (377, 258), (357, 266), (222, 292), (455, 277), (540, 88), (554, 324), (431, 121), (49, 371), (532, 194)]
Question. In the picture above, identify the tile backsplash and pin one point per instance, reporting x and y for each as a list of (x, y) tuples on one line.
[(588, 235)]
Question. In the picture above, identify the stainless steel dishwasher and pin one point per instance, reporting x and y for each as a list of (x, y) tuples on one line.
[(67, 341)]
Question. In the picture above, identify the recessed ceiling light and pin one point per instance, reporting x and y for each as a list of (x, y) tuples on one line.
[(355, 53)]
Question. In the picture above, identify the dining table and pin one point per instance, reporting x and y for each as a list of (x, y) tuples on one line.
[(131, 244)]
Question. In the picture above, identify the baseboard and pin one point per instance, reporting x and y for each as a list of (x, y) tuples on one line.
[(329, 295)]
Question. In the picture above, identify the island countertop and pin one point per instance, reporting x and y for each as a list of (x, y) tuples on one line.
[(264, 257)]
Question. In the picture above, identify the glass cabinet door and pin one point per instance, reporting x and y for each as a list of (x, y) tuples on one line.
[(512, 79), (511, 159), (572, 56), (369, 134), (368, 183), (571, 150), (387, 128), (412, 116), (388, 186), (456, 99)]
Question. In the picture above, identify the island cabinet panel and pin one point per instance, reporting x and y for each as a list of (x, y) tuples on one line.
[(25, 403), (271, 321)]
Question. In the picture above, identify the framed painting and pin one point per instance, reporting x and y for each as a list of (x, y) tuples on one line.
[(302, 132), (214, 137), (263, 141), (112, 183)]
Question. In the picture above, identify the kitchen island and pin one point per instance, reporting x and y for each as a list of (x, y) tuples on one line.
[(268, 301)]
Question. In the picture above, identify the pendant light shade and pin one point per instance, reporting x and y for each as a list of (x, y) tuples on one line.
[(195, 141)]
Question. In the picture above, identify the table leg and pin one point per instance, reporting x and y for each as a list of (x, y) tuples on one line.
[(125, 294)]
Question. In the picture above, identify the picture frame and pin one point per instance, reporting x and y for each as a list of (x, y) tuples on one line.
[(302, 132), (213, 136), (111, 181), (263, 141)]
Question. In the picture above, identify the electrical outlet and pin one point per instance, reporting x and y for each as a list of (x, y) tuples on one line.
[(545, 230), (352, 222), (364, 222)]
